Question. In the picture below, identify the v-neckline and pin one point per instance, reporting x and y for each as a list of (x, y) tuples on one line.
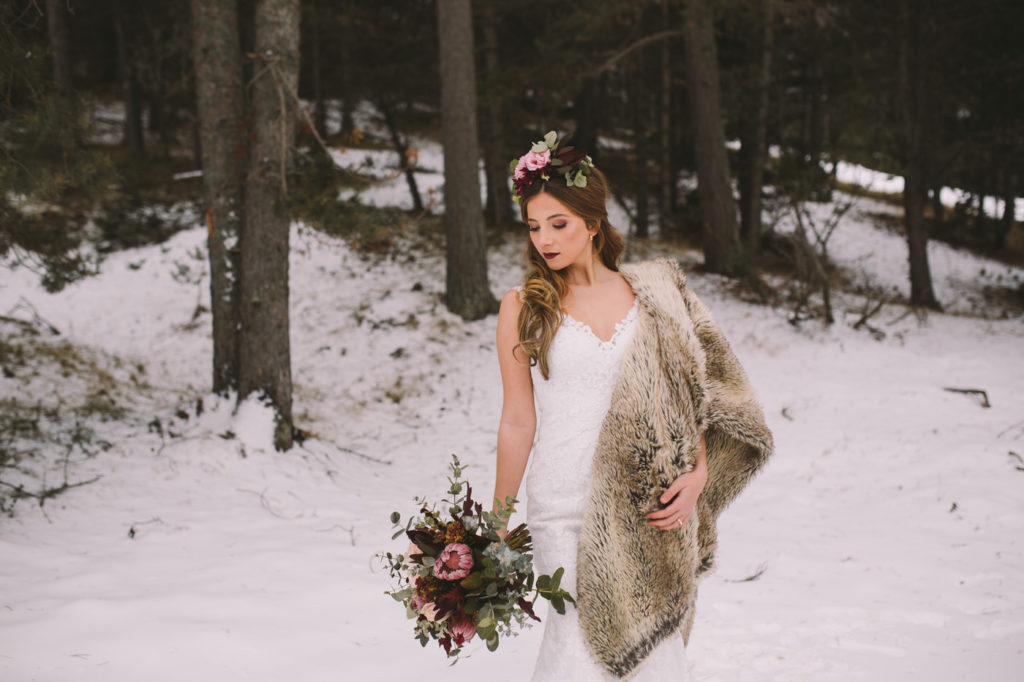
[(616, 330)]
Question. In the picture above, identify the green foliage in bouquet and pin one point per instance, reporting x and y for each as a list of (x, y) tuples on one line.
[(459, 579)]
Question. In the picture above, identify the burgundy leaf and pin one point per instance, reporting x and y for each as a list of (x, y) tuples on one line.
[(527, 606)]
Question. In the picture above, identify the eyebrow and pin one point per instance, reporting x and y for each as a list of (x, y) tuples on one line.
[(555, 215)]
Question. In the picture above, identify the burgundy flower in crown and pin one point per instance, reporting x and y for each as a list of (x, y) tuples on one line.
[(546, 159)]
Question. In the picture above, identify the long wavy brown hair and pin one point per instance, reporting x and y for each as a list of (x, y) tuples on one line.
[(544, 288)]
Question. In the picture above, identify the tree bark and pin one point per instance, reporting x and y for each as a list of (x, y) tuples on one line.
[(402, 149), (467, 294), (1009, 206), (320, 108), (753, 138), (223, 143), (265, 355), (666, 171), (499, 197), (129, 87), (587, 107), (60, 45), (348, 93), (911, 96), (722, 253), (638, 114)]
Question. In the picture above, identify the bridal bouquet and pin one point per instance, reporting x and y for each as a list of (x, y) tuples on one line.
[(459, 579)]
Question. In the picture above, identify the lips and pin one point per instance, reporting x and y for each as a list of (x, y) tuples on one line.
[(550, 255)]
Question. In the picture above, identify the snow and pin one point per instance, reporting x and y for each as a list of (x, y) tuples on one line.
[(854, 174), (888, 525)]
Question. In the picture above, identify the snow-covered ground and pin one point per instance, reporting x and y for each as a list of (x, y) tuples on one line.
[(889, 525)]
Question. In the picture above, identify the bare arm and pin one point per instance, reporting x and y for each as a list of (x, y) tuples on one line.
[(518, 418)]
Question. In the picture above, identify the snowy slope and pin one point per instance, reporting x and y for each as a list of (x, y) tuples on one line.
[(889, 524)]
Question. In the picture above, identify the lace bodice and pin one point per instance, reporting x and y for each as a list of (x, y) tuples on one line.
[(571, 405)]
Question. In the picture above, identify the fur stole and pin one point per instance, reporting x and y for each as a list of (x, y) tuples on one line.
[(637, 585)]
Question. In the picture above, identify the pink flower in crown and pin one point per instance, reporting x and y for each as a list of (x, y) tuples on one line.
[(520, 169), (454, 563), (535, 160)]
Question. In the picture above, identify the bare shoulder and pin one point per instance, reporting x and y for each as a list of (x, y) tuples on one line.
[(508, 312), (511, 302)]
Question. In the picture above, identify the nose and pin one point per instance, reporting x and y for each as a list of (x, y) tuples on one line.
[(544, 235)]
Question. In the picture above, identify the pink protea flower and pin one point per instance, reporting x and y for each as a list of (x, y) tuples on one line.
[(462, 628), (454, 563), (536, 160), (427, 608)]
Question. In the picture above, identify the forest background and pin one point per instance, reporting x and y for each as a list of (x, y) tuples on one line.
[(733, 129), (928, 90)]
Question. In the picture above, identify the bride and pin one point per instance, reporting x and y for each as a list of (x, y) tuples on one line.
[(619, 468)]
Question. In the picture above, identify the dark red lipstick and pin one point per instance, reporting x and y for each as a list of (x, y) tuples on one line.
[(549, 256)]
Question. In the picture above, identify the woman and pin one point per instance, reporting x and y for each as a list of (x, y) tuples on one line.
[(645, 418)]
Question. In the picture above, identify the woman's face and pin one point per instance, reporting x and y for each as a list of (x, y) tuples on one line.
[(560, 235)]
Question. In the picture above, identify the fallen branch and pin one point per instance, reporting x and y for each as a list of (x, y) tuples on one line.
[(972, 391), (1020, 459), (751, 578), (46, 493)]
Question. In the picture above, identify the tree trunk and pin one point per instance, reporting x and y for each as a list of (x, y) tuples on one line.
[(666, 171), (1009, 207), (468, 294), (402, 149), (60, 44), (638, 114), (220, 110), (720, 231), (265, 357), (911, 95), (348, 94), (130, 88), (499, 197), (320, 108), (588, 104), (937, 209), (753, 138)]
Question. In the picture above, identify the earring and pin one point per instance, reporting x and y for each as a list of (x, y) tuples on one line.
[(592, 236)]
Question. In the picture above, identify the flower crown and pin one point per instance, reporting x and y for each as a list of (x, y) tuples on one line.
[(546, 158)]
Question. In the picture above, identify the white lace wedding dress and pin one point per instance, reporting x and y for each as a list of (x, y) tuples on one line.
[(571, 406)]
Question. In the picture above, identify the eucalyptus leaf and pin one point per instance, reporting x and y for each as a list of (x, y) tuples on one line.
[(395, 517), (492, 643), (581, 180), (558, 605), (472, 581), (551, 138), (539, 148)]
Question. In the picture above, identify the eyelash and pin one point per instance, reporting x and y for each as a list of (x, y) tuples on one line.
[(557, 226)]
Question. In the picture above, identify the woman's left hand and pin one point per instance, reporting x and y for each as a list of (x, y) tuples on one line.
[(685, 490)]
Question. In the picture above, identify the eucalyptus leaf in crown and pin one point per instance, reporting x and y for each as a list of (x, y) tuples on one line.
[(546, 159)]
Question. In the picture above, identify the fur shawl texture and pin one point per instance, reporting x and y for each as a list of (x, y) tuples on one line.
[(637, 585)]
